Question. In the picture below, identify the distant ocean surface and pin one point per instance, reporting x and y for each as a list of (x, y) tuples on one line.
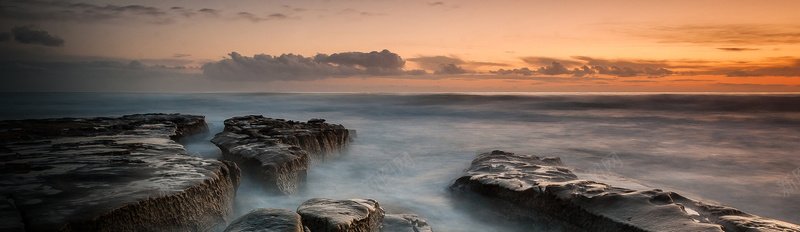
[(732, 149)]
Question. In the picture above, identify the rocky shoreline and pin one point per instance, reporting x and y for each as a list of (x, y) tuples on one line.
[(111, 174), (538, 189), (129, 173)]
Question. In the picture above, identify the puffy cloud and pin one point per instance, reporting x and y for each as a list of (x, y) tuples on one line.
[(605, 67), (451, 69), (264, 67), (583, 71), (381, 60), (617, 71), (28, 35), (521, 71), (554, 69)]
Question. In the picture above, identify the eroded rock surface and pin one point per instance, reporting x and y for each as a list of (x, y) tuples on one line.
[(267, 220), (541, 187), (404, 223), (113, 174), (353, 215), (278, 151)]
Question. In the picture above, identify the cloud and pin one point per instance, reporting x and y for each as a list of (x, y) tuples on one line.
[(451, 69), (436, 62), (436, 4), (722, 34), (60, 11), (790, 67), (661, 72), (256, 19), (181, 55), (555, 68), (542, 61), (738, 49), (210, 11), (601, 67), (631, 63), (264, 67), (28, 35)]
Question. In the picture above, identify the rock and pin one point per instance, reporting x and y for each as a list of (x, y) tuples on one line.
[(277, 151), (326, 215), (267, 220), (113, 174), (541, 187), (404, 223)]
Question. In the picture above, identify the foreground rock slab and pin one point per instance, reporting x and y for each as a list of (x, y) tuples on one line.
[(327, 215), (112, 174), (277, 152), (532, 186), (268, 220)]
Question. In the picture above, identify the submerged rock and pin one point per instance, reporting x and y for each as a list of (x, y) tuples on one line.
[(327, 215), (267, 220), (278, 151), (534, 188), (112, 174), (404, 223)]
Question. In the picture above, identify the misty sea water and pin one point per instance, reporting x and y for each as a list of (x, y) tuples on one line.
[(732, 149)]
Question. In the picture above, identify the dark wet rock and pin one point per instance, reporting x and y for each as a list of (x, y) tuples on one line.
[(278, 151), (10, 216), (404, 223), (327, 215), (113, 174), (532, 188), (267, 220)]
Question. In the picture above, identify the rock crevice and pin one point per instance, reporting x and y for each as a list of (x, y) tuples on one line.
[(278, 152)]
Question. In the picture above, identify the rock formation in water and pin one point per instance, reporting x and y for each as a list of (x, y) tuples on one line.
[(111, 174), (268, 220), (532, 187), (278, 151), (326, 215), (321, 214), (404, 223)]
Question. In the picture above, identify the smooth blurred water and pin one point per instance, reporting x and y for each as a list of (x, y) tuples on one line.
[(727, 148)]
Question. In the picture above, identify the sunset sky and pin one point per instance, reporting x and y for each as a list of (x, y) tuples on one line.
[(400, 46)]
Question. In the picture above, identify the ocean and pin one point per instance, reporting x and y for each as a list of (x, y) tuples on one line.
[(736, 149)]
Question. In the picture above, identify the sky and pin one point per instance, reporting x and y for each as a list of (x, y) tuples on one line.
[(400, 46)]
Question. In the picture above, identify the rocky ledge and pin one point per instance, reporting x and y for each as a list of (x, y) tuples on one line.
[(535, 188), (322, 214), (111, 174), (268, 220), (327, 215), (277, 151)]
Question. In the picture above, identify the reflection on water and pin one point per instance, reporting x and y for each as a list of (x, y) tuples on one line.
[(731, 149)]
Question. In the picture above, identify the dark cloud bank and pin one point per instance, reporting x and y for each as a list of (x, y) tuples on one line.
[(287, 67), (63, 11)]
